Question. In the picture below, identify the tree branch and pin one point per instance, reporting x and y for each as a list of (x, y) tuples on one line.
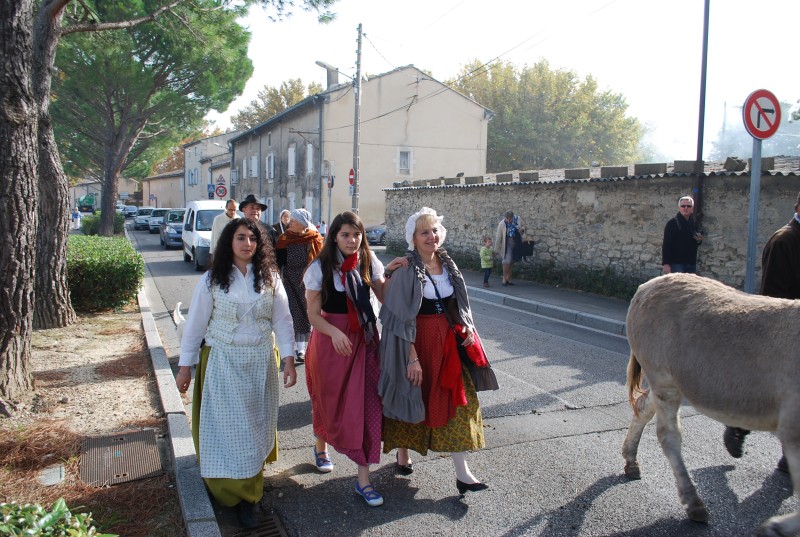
[(119, 25)]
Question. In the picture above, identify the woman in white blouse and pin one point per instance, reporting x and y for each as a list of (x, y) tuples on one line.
[(342, 363), (240, 308)]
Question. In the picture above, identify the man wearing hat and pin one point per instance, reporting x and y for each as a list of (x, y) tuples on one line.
[(251, 208), (780, 277)]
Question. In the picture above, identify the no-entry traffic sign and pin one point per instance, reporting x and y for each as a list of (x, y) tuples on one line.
[(352, 176), (762, 114)]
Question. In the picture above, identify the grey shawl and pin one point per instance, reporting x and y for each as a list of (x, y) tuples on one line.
[(401, 302)]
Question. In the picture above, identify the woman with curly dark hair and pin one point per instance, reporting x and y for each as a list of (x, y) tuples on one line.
[(240, 308)]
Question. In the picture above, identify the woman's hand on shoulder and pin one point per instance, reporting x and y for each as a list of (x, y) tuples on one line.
[(398, 262), (289, 372)]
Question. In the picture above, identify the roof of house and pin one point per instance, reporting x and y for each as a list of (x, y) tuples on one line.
[(165, 175), (277, 118)]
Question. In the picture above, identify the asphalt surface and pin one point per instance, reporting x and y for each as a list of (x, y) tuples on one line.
[(553, 436)]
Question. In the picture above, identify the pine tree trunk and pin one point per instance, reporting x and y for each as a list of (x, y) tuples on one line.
[(52, 308), (110, 191), (19, 157)]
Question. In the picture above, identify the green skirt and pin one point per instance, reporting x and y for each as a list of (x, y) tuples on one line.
[(227, 492)]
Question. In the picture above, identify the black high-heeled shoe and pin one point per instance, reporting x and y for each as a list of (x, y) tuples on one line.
[(471, 487), (404, 469)]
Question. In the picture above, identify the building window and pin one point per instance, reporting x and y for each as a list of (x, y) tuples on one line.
[(270, 167), (404, 162), (291, 160), (269, 139), (309, 159), (244, 167), (254, 166)]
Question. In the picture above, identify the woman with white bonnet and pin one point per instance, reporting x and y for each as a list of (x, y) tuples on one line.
[(296, 248), (429, 398)]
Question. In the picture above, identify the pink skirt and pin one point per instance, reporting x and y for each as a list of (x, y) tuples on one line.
[(345, 408)]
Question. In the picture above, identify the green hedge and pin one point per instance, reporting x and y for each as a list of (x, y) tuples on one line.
[(35, 520), (90, 224), (102, 272)]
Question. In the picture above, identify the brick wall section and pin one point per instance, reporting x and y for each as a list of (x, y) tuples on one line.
[(599, 224)]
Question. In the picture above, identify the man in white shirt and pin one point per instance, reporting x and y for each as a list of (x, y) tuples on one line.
[(220, 221)]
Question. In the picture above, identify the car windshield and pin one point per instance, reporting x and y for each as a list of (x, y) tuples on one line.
[(144, 212), (205, 219), (175, 217), (158, 212)]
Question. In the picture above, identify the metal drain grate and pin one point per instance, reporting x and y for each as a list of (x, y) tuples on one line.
[(119, 458), (270, 527)]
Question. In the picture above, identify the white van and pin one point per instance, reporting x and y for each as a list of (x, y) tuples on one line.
[(197, 230)]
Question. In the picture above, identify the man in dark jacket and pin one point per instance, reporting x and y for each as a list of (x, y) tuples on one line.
[(780, 277), (681, 239)]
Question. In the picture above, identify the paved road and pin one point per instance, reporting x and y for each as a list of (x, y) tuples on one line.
[(552, 458)]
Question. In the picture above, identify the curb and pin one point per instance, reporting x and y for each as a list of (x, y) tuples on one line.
[(198, 514), (596, 322)]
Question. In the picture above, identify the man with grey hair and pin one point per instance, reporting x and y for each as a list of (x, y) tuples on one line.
[(681, 239), (220, 221)]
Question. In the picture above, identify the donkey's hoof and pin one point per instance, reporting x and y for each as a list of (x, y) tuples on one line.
[(698, 513), (632, 470)]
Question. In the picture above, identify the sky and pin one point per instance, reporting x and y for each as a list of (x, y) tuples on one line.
[(650, 51)]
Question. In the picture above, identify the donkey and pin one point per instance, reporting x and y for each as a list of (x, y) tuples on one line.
[(733, 356)]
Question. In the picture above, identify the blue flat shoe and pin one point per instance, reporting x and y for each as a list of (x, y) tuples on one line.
[(322, 461), (370, 495)]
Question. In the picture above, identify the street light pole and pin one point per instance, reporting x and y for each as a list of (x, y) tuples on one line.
[(357, 122)]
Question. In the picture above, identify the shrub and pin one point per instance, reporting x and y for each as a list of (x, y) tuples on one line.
[(90, 224), (102, 272), (34, 520)]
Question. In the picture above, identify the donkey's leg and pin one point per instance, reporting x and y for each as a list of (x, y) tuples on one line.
[(789, 433), (643, 411), (667, 403)]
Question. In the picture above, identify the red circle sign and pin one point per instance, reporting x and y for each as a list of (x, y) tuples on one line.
[(352, 176), (221, 191), (762, 114)]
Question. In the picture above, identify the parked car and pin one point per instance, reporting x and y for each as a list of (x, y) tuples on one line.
[(376, 234), (196, 237), (130, 211), (120, 208), (172, 228), (142, 219), (156, 217)]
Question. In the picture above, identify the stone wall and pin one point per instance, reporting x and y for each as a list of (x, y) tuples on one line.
[(604, 223)]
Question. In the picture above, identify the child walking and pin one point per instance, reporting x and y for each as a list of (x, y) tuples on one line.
[(487, 259)]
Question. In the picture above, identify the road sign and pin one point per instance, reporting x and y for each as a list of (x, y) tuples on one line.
[(352, 176), (153, 196), (210, 189), (762, 114), (211, 195), (221, 180), (330, 181), (221, 191)]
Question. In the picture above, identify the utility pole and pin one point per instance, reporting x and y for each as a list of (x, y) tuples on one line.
[(357, 122)]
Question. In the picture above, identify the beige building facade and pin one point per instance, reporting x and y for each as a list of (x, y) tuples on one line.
[(206, 173), (163, 190), (411, 126)]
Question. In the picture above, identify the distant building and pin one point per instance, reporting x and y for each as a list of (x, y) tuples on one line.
[(128, 192), (411, 126), (206, 173)]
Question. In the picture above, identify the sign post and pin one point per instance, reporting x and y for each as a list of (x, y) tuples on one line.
[(762, 116)]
